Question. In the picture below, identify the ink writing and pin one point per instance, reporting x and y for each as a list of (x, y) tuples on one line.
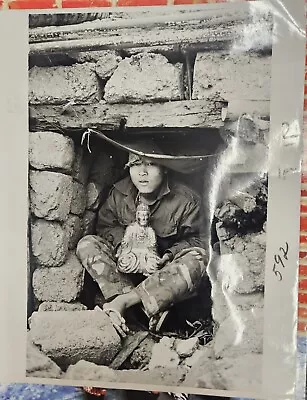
[(280, 261)]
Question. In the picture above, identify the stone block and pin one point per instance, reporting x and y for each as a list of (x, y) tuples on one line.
[(50, 150), (144, 78), (78, 202), (89, 223), (93, 192), (107, 63), (60, 306), (226, 77), (39, 365), (82, 165), (68, 337), (50, 195), (60, 85), (74, 230), (49, 243), (62, 284)]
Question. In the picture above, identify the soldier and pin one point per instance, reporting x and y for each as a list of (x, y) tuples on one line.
[(175, 218)]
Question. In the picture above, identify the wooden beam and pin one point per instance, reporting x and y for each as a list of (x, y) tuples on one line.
[(207, 18), (186, 37), (103, 116)]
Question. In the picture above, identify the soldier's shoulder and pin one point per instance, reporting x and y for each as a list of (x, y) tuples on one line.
[(182, 190)]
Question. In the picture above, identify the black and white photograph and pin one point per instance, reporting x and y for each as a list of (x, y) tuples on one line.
[(149, 137)]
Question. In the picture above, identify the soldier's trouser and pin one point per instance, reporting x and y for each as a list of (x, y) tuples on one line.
[(171, 284)]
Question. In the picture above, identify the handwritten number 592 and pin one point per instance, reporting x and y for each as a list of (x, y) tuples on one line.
[(280, 260)]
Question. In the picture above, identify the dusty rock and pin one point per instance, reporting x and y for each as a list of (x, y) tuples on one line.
[(89, 223), (68, 337), (49, 243), (78, 202), (50, 150), (82, 165), (144, 78), (74, 229), (163, 354), (159, 376), (60, 306), (107, 63), (231, 77), (39, 365), (61, 284), (93, 191), (186, 348), (241, 333), (50, 195), (63, 84)]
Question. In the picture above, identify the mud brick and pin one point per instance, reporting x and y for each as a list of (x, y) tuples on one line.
[(82, 164), (107, 63), (62, 284), (78, 202), (68, 337), (63, 84), (61, 306), (89, 222), (74, 230), (50, 150), (144, 78), (93, 191), (49, 243), (50, 195), (230, 77)]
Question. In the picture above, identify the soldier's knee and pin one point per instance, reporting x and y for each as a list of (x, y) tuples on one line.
[(84, 242)]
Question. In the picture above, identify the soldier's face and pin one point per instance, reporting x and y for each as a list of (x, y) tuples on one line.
[(146, 176)]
